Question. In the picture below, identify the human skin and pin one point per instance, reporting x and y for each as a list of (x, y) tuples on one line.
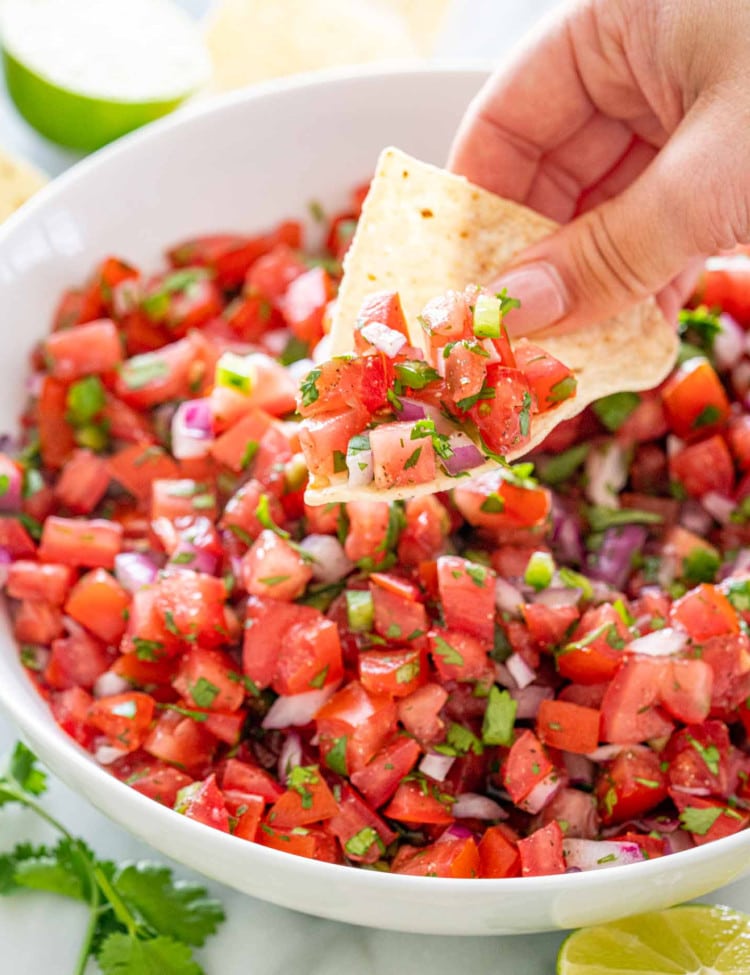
[(628, 121)]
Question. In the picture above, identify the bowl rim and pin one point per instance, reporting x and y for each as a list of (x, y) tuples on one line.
[(72, 764)]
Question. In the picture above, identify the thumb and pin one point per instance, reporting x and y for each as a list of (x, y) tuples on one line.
[(682, 206)]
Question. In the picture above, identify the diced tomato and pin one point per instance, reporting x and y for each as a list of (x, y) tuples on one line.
[(504, 420), (230, 256), (394, 672), (704, 466), (726, 284), (738, 435), (124, 718), (70, 709), (541, 852), (425, 532), (705, 612), (498, 853), (155, 377), (526, 767), (248, 818), (630, 708), (710, 820), (306, 800), (272, 568), (83, 482), (369, 526), (272, 273), (448, 857), (412, 804), (312, 658), (685, 689), (92, 544), (419, 712), (76, 660), (467, 594), (85, 350), (381, 777), (243, 777), (447, 318), (326, 437), (35, 580), (147, 674), (569, 727), (208, 679), (181, 741), (694, 400), (399, 614), (399, 458), (355, 826), (37, 621), (305, 302), (491, 501), (311, 842), (159, 782), (698, 758), (594, 652), (729, 659), (191, 605), (237, 448), (465, 371), (383, 307), (549, 625), (203, 802), (551, 382), (357, 720), (56, 439), (137, 467), (100, 603), (458, 656), (266, 628), (631, 785)]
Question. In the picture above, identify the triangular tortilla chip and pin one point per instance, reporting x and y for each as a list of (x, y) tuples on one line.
[(424, 231), (19, 180)]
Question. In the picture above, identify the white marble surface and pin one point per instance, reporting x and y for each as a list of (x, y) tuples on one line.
[(40, 934)]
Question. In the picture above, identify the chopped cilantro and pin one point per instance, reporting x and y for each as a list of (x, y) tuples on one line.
[(701, 565), (700, 821), (612, 411), (563, 390), (499, 718), (559, 468), (446, 652), (336, 756), (308, 388)]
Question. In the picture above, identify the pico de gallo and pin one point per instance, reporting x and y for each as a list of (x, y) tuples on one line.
[(545, 670), (389, 416)]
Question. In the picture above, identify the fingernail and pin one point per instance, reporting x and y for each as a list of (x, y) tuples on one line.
[(542, 294)]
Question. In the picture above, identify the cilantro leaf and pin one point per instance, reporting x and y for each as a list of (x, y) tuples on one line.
[(25, 771), (601, 518), (180, 909), (613, 410), (499, 718), (63, 870), (699, 821), (122, 954)]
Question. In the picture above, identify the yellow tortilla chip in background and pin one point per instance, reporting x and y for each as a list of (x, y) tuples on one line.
[(424, 231), (252, 40), (18, 181)]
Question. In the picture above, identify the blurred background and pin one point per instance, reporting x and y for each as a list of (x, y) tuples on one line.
[(246, 41)]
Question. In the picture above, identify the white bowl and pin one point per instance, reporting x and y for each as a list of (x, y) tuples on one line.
[(242, 163)]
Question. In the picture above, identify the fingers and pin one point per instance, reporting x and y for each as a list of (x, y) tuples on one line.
[(633, 245)]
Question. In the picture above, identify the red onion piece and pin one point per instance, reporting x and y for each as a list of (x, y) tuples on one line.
[(605, 753), (360, 467), (133, 570), (660, 643), (519, 670), (729, 343), (542, 793), (695, 517), (296, 710), (695, 790), (599, 854), (455, 832), (557, 596), (567, 533), (410, 409), (679, 841), (290, 756), (528, 700), (10, 499), (508, 599), (580, 769), (330, 562), (606, 472), (107, 754), (719, 507), (466, 455), (612, 562), (471, 805), (436, 766), (384, 339), (110, 683), (192, 429)]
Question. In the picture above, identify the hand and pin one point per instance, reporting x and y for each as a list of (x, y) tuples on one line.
[(628, 121)]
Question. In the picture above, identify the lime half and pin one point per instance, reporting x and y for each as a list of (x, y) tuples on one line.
[(84, 72), (691, 940)]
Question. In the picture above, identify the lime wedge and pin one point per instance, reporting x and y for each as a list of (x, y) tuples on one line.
[(692, 940), (84, 72)]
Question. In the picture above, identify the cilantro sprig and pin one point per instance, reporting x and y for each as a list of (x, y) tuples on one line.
[(140, 918)]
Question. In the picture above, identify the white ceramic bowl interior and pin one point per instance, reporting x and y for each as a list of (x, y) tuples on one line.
[(242, 163)]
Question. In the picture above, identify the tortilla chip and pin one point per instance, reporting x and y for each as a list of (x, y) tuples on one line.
[(18, 182), (253, 40), (424, 231), (424, 19)]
